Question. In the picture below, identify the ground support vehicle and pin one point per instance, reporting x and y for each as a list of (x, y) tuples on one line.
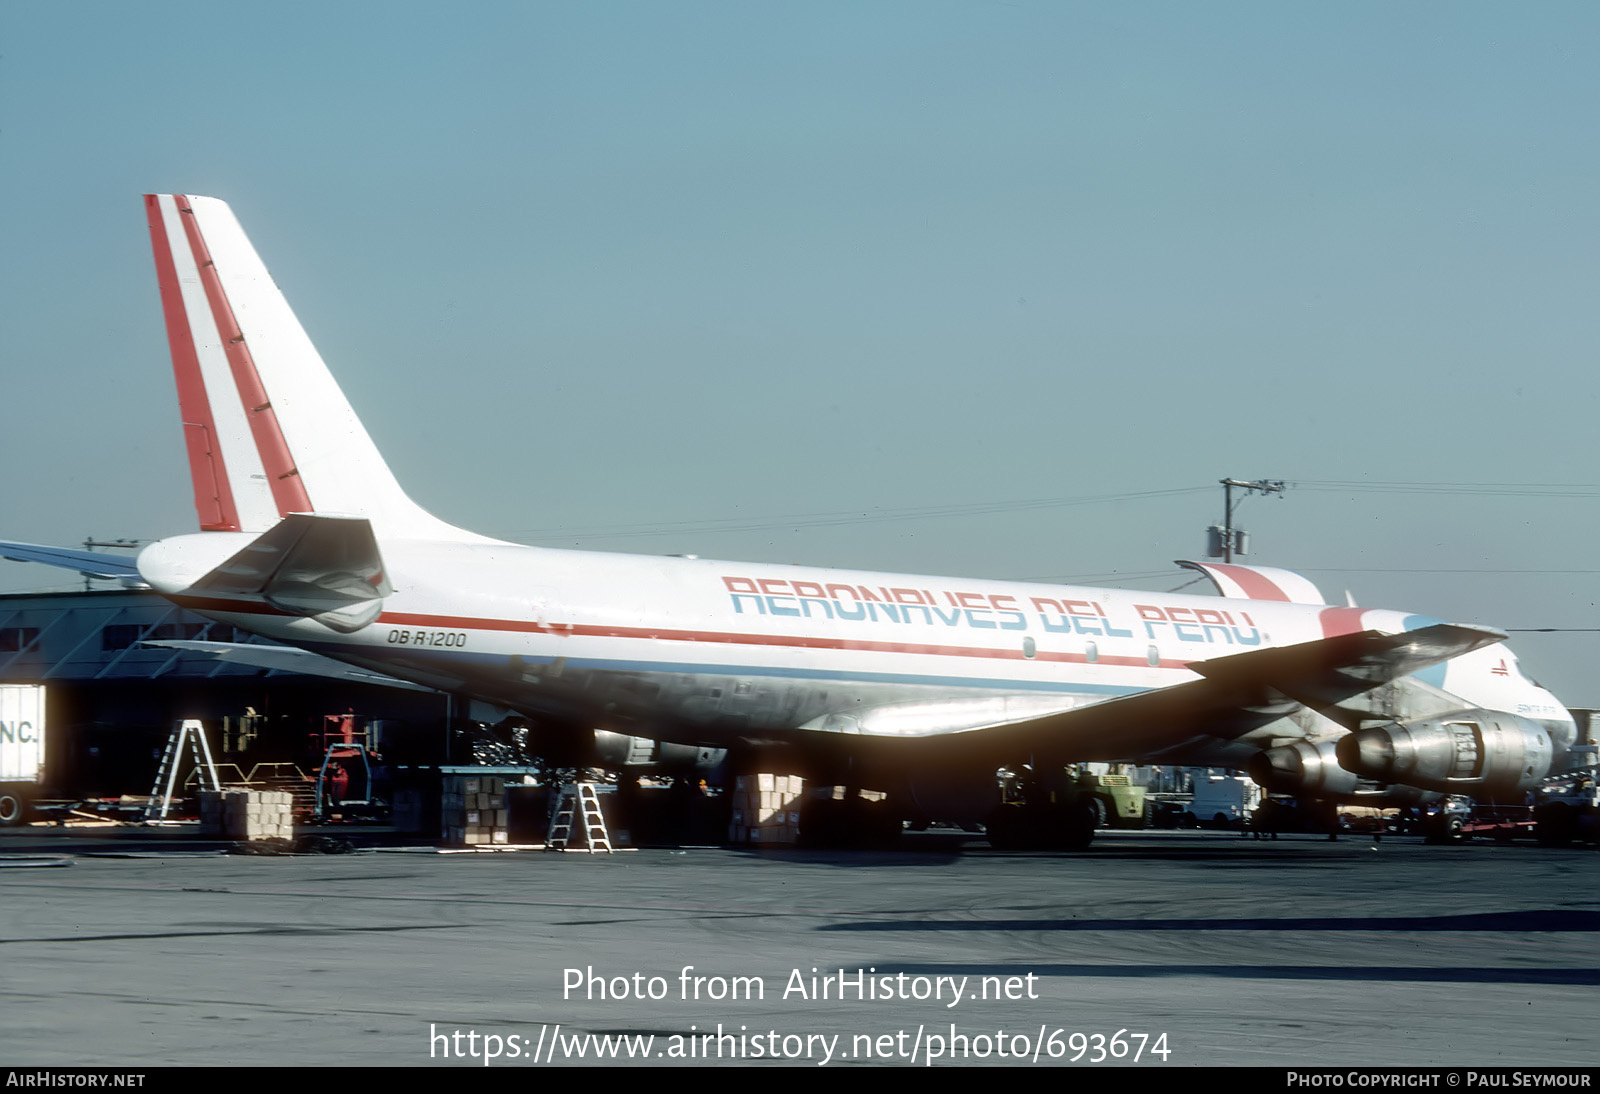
[(22, 749)]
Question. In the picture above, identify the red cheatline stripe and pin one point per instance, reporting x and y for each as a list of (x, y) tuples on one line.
[(1255, 586), (446, 622), (1337, 621), (276, 460), (213, 493)]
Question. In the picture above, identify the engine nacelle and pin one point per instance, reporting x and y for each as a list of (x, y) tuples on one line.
[(1477, 753), (1307, 768), (1311, 769)]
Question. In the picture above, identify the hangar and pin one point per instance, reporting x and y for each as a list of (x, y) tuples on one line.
[(113, 697)]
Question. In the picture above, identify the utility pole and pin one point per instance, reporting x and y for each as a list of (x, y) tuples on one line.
[(1226, 540), (91, 543)]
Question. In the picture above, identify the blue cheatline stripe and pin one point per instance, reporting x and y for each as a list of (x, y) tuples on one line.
[(459, 657)]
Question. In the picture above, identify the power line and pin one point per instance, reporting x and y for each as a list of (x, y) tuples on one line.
[(1501, 489), (822, 520), (971, 509)]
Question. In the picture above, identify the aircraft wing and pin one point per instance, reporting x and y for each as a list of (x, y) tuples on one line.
[(286, 658), (87, 563), (1355, 676), (1234, 696)]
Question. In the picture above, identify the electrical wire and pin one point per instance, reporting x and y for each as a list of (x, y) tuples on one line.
[(837, 518)]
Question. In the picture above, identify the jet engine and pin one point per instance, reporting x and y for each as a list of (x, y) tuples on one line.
[(1311, 769), (1473, 752)]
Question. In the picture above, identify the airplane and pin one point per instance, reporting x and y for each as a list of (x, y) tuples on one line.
[(920, 686)]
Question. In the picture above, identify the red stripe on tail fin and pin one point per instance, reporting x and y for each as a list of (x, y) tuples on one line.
[(213, 498), (283, 477)]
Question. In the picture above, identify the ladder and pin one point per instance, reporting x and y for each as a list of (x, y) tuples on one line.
[(189, 733), (578, 800)]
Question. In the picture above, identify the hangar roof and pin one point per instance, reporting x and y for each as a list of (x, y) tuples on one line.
[(98, 635)]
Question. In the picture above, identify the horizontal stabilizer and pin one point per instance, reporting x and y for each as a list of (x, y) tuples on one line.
[(87, 563), (326, 568)]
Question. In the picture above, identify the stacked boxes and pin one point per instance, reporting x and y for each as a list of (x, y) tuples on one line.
[(247, 814), (408, 810), (766, 809), (473, 810), (842, 793)]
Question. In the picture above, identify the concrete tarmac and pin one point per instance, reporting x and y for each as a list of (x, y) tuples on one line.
[(1199, 948)]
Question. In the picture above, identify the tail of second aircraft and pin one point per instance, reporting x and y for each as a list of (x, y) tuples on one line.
[(267, 429)]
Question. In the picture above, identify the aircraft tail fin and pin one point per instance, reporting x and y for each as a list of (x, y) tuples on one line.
[(267, 429)]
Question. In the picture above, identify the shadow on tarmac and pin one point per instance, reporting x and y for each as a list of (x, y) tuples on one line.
[(1533, 920), (1403, 974)]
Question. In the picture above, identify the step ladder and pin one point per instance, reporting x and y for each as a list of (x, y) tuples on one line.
[(192, 735), (578, 801)]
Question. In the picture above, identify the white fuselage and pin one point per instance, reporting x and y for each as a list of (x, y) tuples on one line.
[(703, 651)]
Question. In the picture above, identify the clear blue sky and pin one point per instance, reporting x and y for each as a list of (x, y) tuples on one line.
[(718, 268)]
